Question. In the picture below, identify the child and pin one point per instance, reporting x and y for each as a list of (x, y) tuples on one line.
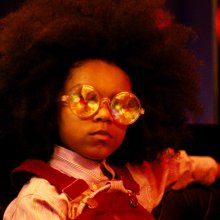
[(101, 92)]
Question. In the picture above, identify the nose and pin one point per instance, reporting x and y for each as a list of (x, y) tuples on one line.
[(103, 113)]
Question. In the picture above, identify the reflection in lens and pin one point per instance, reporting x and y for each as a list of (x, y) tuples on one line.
[(125, 108), (84, 101)]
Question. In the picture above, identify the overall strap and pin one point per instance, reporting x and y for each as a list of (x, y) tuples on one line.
[(127, 178), (71, 186)]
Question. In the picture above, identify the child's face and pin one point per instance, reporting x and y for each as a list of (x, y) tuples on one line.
[(99, 136)]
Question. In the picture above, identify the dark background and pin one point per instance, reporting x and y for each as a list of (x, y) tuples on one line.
[(200, 15)]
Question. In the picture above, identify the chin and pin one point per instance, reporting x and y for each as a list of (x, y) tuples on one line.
[(99, 157)]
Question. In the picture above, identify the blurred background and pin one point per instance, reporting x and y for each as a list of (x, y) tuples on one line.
[(201, 16), (204, 17)]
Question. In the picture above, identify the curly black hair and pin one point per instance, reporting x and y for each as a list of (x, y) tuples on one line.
[(43, 39)]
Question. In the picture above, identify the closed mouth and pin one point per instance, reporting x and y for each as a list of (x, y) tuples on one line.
[(102, 132)]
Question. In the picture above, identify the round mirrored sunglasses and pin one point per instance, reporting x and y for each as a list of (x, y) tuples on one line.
[(84, 101)]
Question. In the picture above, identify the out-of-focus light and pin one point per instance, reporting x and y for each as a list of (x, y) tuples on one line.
[(217, 20)]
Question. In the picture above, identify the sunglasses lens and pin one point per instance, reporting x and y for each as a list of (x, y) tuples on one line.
[(125, 108), (84, 101)]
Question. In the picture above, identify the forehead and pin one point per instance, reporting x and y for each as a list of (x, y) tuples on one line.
[(107, 78)]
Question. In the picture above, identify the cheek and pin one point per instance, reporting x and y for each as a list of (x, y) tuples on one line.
[(120, 134), (67, 124), (74, 132)]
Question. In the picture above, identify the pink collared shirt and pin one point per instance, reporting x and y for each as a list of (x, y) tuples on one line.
[(39, 200)]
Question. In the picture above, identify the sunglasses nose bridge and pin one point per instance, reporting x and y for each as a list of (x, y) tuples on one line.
[(105, 101), (104, 112)]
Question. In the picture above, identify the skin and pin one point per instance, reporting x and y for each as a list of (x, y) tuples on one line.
[(99, 136)]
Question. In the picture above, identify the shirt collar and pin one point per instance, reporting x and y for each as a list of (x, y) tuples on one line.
[(76, 165)]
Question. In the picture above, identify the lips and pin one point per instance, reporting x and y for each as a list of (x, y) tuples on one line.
[(101, 133)]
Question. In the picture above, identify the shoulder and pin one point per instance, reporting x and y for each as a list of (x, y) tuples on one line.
[(42, 189), (38, 198)]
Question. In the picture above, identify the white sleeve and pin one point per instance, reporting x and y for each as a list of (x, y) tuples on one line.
[(37, 200), (190, 169)]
